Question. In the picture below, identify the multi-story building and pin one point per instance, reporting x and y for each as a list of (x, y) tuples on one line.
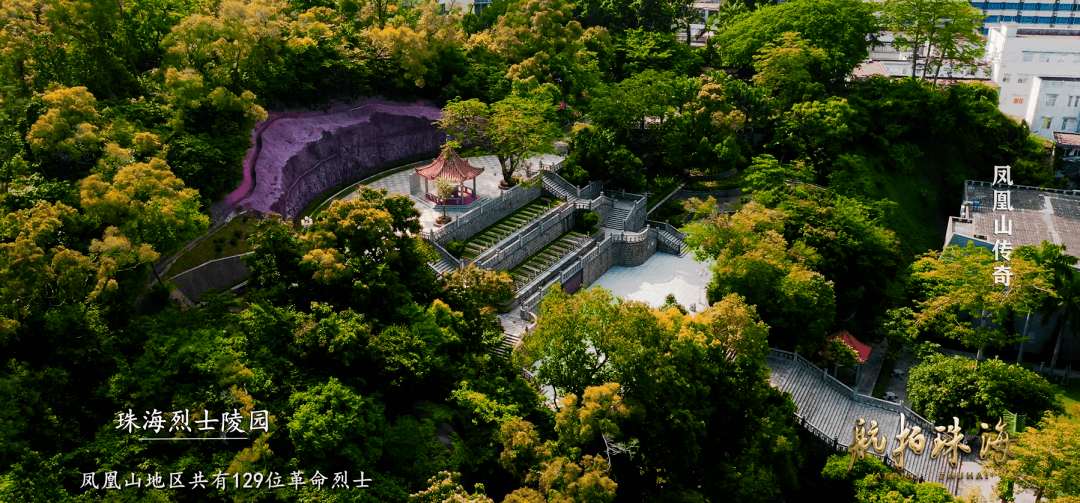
[(1031, 14), (1038, 74)]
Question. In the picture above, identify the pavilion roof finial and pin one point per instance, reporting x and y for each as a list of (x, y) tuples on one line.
[(451, 166)]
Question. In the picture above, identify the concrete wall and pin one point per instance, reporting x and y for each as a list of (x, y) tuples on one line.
[(631, 250), (354, 152), (597, 266), (220, 274), (296, 157)]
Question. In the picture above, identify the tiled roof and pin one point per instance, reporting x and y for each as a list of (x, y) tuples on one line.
[(853, 343), (1067, 139), (867, 70), (450, 166)]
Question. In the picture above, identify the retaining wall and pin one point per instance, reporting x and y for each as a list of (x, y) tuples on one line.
[(299, 156), (220, 274)]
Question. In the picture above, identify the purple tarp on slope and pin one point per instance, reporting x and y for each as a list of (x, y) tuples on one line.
[(297, 156)]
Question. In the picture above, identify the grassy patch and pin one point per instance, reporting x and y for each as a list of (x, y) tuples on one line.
[(514, 271), (1071, 396), (659, 188), (225, 242), (544, 203)]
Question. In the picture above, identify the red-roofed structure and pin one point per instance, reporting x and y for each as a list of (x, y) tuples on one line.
[(450, 166), (862, 349)]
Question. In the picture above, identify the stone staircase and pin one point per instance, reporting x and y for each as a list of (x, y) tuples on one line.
[(617, 218), (442, 266), (483, 241), (509, 342), (560, 187), (537, 264)]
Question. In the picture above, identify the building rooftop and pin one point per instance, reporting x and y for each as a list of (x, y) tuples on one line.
[(869, 69), (1067, 139), (1038, 214)]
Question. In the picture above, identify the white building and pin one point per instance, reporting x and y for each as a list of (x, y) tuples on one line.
[(1031, 13), (1038, 74)]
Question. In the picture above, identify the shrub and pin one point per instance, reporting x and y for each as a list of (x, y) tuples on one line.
[(456, 248), (591, 219)]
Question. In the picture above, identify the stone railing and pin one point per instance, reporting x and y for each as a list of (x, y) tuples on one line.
[(560, 272), (527, 237), (445, 255), (558, 186), (634, 237), (488, 212), (669, 236)]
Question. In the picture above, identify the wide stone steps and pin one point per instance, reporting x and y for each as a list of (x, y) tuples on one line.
[(540, 263), (442, 266), (617, 218), (508, 344), (833, 410)]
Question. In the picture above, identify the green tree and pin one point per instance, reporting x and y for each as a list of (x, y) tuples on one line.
[(764, 173), (790, 70), (148, 202), (947, 27), (753, 259), (575, 339), (838, 27), (512, 129), (67, 134), (941, 387), (818, 130), (958, 297), (1045, 461), (638, 50), (332, 424)]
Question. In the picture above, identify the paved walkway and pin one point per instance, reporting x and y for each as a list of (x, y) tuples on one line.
[(661, 275), (487, 185), (868, 376)]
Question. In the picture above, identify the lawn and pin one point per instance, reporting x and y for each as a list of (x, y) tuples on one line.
[(659, 188), (1071, 394), (225, 242)]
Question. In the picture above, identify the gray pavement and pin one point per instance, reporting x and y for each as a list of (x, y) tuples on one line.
[(487, 186), (659, 276)]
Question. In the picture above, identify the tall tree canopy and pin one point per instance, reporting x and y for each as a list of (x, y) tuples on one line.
[(841, 28)]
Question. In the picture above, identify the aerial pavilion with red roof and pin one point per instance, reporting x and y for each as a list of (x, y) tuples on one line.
[(450, 166)]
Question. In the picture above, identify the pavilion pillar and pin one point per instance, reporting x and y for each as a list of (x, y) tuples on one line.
[(425, 188)]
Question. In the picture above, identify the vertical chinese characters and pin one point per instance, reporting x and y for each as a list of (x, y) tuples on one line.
[(1002, 247)]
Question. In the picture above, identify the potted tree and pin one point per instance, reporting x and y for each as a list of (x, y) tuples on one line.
[(446, 189)]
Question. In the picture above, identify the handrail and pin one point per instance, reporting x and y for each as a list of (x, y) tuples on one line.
[(834, 443), (445, 255)]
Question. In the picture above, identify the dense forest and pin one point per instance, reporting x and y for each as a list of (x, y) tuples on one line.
[(120, 122)]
